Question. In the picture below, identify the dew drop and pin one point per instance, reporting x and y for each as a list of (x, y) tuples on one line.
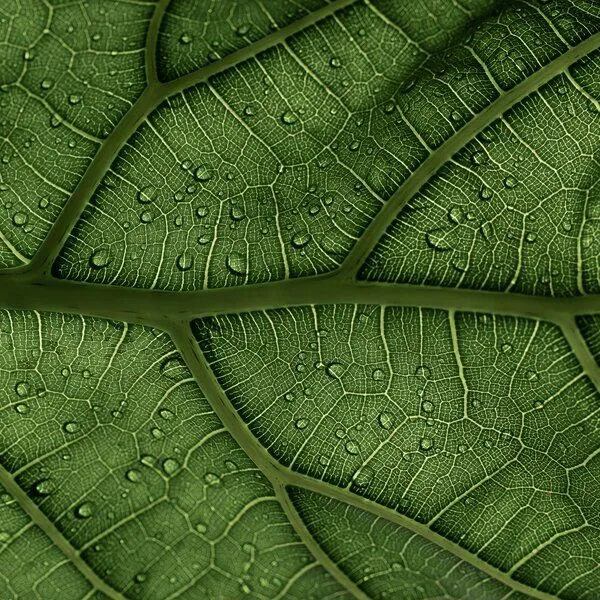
[(236, 263), (185, 262), (422, 370), (185, 39), (74, 99), (436, 239), (289, 118), (363, 476), (22, 389), (22, 409), (510, 182), (243, 29), (427, 406), (140, 578), (44, 487), (426, 443), (456, 215), (19, 219), (301, 424), (378, 375), (170, 466), (46, 84), (146, 216), (479, 158), (204, 239), (237, 213), (99, 259), (70, 427), (385, 420), (538, 405), (335, 370), (212, 479), (166, 414), (335, 62), (201, 527), (147, 194), (84, 510), (531, 237), (134, 475), (203, 173), (301, 240), (485, 193), (201, 212), (352, 447)]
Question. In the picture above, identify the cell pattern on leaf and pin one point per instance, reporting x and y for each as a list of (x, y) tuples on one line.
[(68, 73), (103, 424), (483, 427), (389, 561), (274, 168)]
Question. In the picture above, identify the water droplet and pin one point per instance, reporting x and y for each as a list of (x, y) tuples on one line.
[(538, 405), (70, 427), (460, 261), (462, 448), (386, 420), (427, 406), (22, 389), (146, 216), (47, 84), (301, 240), (201, 212), (170, 466), (363, 476), (335, 62), (74, 99), (479, 158), (157, 433), (19, 219), (148, 460), (506, 348), (335, 370), (352, 447), (289, 118), (426, 443), (236, 263), (44, 487), (212, 479), (147, 194), (140, 578), (485, 193), (531, 237), (203, 173), (185, 261), (456, 215), (166, 414), (301, 424), (22, 409), (436, 239), (204, 239), (237, 213), (243, 29), (510, 182), (378, 375), (134, 475), (185, 38), (201, 527), (455, 115), (173, 368), (422, 370), (84, 510), (249, 111), (100, 258)]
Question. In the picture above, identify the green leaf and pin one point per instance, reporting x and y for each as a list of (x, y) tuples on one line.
[(299, 299)]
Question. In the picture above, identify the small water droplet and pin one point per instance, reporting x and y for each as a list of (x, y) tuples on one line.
[(134, 475), (19, 219), (378, 375), (99, 259), (301, 240), (212, 479), (352, 447), (22, 409), (84, 510), (185, 261), (201, 527), (47, 84), (538, 404), (335, 62), (185, 39), (201, 212), (427, 406), (147, 194), (203, 173), (170, 466), (479, 158), (422, 370), (237, 213), (456, 215), (531, 237), (385, 420), (426, 443), (301, 424), (74, 99), (243, 29), (506, 348), (70, 427), (335, 370), (363, 476), (436, 239), (510, 182), (44, 487), (22, 389), (289, 118)]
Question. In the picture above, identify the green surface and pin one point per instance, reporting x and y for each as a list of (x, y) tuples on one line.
[(299, 299)]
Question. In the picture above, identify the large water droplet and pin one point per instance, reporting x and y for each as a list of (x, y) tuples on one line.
[(19, 219), (335, 370), (426, 443), (22, 389), (134, 475), (378, 375), (352, 447), (70, 427), (237, 213), (289, 118), (236, 263), (385, 420), (485, 193), (185, 261)]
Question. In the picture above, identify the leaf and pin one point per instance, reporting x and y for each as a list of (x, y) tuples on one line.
[(299, 299)]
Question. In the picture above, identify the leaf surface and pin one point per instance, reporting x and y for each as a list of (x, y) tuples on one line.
[(299, 299)]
